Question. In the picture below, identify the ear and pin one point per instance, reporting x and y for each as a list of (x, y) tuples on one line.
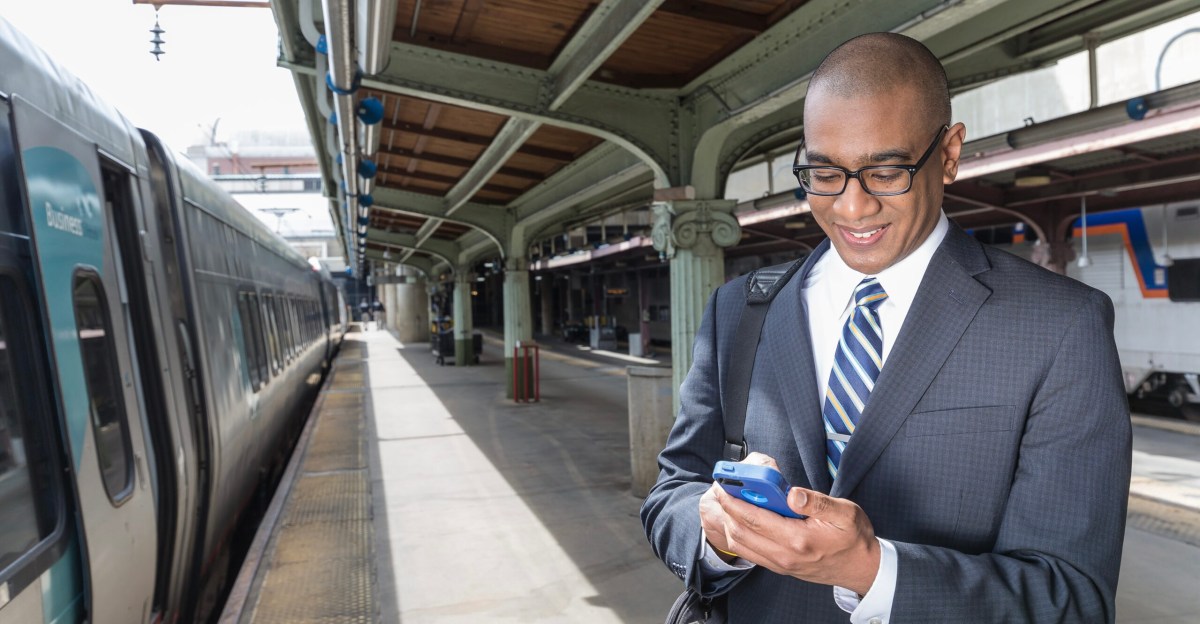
[(951, 150)]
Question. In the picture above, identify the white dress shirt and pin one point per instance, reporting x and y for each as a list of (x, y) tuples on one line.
[(828, 302)]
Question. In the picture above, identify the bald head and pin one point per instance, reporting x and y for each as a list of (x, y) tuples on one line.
[(877, 65)]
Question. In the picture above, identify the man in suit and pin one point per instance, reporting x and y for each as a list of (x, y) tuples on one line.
[(952, 417)]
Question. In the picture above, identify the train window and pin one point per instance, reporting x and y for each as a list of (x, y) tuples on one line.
[(245, 312), (260, 348), (281, 332), (307, 324), (285, 332), (253, 332), (271, 331), (297, 324), (104, 391), (27, 509), (1183, 280), (285, 308)]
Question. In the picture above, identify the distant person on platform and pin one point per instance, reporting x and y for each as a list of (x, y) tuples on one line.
[(377, 313), (364, 313), (952, 417)]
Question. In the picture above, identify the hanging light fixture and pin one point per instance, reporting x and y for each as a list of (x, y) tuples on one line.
[(157, 50), (1084, 261)]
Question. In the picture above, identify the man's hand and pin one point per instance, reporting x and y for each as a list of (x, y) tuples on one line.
[(835, 545)]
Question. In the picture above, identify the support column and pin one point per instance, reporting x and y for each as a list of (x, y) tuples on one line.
[(464, 326), (518, 317), (693, 234), (547, 298), (387, 320), (569, 291), (411, 319)]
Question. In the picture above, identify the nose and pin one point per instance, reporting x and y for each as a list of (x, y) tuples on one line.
[(855, 203)]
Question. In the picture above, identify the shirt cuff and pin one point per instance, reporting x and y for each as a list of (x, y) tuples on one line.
[(875, 607), (712, 563)]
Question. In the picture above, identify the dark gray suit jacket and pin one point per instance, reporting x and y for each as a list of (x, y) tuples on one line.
[(994, 451)]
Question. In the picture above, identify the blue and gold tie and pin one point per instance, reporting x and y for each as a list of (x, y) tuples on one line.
[(856, 365)]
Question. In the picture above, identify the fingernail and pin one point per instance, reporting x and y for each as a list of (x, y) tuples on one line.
[(801, 497)]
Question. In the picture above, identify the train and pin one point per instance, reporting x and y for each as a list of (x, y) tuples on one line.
[(1147, 259), (160, 349)]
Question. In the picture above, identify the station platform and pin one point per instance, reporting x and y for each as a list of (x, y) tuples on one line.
[(419, 493)]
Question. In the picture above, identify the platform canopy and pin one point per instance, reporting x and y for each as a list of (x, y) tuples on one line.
[(506, 122)]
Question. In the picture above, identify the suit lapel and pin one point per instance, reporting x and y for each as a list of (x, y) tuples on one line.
[(789, 353), (946, 302)]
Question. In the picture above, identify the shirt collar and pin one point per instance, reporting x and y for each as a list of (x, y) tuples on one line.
[(900, 281)]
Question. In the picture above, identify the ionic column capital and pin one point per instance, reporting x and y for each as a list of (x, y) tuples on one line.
[(700, 225)]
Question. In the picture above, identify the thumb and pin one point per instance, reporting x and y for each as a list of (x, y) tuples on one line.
[(810, 503)]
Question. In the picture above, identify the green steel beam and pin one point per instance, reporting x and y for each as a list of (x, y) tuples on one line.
[(589, 178), (511, 137), (427, 266), (490, 220), (1108, 21), (445, 250), (641, 121)]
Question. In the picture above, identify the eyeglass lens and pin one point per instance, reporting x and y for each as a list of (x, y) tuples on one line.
[(832, 180)]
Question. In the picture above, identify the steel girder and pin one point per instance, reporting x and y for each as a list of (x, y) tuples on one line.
[(490, 220), (426, 265), (438, 248)]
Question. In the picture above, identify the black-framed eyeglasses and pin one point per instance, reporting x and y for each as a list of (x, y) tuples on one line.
[(827, 180)]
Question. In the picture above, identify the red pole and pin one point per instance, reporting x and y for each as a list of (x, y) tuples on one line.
[(537, 375), (516, 397)]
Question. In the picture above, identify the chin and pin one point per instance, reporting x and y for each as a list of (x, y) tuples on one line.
[(866, 266)]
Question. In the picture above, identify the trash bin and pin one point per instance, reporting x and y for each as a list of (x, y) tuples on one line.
[(604, 338), (635, 345), (650, 403)]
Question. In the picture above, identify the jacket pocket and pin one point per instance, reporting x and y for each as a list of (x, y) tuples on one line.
[(961, 420)]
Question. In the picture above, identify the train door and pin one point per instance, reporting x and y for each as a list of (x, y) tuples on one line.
[(86, 305)]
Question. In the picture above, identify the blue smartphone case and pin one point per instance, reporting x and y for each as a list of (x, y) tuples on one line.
[(759, 485)]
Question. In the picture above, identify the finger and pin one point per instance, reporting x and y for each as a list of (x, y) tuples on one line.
[(710, 504), (760, 459), (816, 505)]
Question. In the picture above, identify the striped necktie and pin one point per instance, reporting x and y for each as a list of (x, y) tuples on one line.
[(856, 364)]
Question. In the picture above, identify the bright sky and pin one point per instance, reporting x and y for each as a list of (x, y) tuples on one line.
[(219, 63)]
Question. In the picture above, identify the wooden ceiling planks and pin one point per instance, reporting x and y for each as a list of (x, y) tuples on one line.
[(427, 147), (685, 38), (531, 26), (524, 170), (680, 41)]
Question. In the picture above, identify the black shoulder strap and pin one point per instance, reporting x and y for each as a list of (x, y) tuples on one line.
[(761, 287)]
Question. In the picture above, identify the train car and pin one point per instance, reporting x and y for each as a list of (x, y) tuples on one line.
[(333, 307), (158, 348), (1148, 261)]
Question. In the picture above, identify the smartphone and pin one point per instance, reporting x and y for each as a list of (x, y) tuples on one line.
[(759, 485)]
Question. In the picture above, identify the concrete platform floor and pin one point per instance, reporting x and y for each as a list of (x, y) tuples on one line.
[(486, 510)]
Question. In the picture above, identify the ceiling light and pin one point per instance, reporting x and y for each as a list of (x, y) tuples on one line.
[(1030, 177)]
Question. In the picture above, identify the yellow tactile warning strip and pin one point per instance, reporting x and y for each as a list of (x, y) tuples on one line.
[(319, 566)]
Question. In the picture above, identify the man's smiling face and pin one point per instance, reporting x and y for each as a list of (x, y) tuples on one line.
[(871, 233)]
